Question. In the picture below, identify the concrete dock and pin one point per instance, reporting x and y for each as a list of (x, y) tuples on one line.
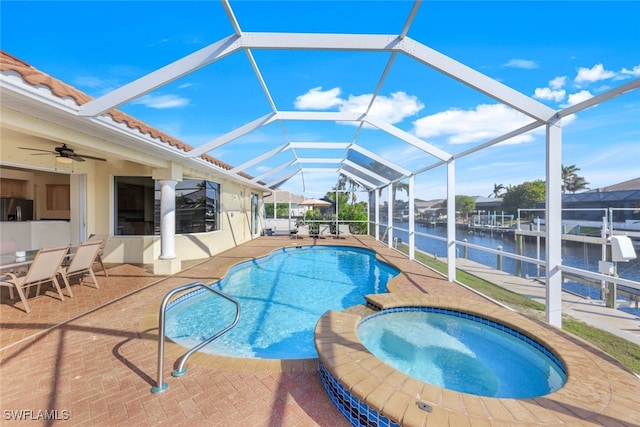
[(593, 312)]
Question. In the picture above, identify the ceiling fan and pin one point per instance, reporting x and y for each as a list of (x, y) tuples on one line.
[(64, 152)]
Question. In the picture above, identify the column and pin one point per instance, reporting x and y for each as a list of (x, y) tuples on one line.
[(553, 231), (390, 216), (451, 220), (412, 218), (167, 219)]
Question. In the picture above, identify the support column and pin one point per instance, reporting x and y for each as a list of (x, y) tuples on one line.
[(376, 200), (167, 262), (412, 218), (553, 231), (168, 219), (390, 216), (451, 220)]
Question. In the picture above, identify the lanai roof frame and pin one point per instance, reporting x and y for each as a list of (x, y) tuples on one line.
[(540, 114)]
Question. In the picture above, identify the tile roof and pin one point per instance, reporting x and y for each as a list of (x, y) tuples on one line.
[(36, 77), (632, 184)]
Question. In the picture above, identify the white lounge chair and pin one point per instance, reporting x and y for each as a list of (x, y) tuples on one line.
[(344, 230), (43, 269), (82, 262), (104, 238)]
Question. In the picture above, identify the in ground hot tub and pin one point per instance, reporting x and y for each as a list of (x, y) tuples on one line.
[(368, 390), (462, 352)]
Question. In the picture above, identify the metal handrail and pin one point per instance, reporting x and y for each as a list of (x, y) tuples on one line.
[(181, 370)]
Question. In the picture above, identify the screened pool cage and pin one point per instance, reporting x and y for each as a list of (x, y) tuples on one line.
[(388, 191)]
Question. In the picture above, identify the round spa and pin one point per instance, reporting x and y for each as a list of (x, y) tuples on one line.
[(461, 352)]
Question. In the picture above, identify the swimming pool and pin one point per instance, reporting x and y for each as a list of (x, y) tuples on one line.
[(462, 352), (281, 298)]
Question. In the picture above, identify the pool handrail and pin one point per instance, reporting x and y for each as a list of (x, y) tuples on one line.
[(181, 370)]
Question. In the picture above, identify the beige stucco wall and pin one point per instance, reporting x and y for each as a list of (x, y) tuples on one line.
[(22, 131)]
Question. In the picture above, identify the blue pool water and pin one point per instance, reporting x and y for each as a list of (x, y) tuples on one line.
[(469, 355), (281, 296)]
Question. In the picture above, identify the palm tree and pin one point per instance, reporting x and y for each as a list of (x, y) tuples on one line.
[(398, 185), (344, 181), (497, 190), (571, 181), (568, 174), (578, 183)]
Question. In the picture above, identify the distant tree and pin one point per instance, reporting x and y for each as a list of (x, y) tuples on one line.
[(346, 183), (578, 183), (398, 185), (355, 212), (571, 181), (498, 190), (282, 210), (524, 196), (464, 204), (341, 201)]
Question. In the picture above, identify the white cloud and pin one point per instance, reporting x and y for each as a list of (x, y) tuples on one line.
[(634, 72), (391, 109), (162, 101), (485, 122), (549, 94), (554, 92), (558, 82), (521, 63), (89, 81), (317, 99), (578, 97), (593, 74)]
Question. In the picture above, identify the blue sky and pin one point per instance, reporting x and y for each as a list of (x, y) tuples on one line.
[(558, 52)]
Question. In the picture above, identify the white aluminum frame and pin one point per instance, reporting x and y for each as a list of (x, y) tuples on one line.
[(394, 45)]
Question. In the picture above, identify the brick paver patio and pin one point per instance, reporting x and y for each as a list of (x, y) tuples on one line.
[(92, 359)]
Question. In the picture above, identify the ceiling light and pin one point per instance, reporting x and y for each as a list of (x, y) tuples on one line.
[(61, 159)]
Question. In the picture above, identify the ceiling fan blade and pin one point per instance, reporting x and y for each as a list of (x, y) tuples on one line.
[(75, 157), (90, 157), (37, 149)]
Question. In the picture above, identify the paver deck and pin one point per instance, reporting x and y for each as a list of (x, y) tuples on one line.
[(92, 359)]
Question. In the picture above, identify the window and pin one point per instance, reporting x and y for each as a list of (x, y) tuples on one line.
[(197, 206), (138, 206), (134, 206)]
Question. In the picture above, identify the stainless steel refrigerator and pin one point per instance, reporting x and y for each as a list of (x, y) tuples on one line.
[(16, 209)]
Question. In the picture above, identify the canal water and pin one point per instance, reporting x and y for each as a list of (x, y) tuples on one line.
[(574, 254)]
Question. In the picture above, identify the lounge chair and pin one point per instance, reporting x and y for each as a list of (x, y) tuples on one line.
[(43, 269), (104, 238), (344, 230), (82, 262), (303, 230), (325, 230)]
